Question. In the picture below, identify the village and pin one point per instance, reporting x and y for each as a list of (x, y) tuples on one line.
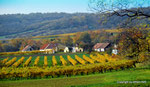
[(75, 43), (52, 48)]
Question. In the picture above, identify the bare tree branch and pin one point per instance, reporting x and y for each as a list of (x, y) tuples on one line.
[(129, 8)]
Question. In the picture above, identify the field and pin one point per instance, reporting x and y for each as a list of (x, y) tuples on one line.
[(57, 66), (72, 70), (49, 59), (108, 79)]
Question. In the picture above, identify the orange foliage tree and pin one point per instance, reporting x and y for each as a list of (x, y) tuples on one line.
[(132, 42)]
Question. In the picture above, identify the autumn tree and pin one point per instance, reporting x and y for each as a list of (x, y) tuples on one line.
[(101, 36), (1, 48), (132, 42), (85, 37), (68, 41), (16, 43), (132, 10), (148, 41), (76, 37), (85, 41), (33, 43)]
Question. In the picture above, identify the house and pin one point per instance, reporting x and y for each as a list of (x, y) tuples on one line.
[(77, 49), (27, 48), (115, 51), (80, 50), (61, 47), (101, 47), (49, 48), (74, 50), (66, 49), (69, 49)]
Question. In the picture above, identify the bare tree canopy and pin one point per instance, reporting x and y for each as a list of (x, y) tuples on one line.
[(129, 8)]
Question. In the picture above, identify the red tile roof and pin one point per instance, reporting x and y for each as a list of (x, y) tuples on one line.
[(44, 46), (48, 46), (24, 49), (100, 45), (51, 46)]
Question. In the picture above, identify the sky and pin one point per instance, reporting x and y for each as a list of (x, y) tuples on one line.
[(43, 6)]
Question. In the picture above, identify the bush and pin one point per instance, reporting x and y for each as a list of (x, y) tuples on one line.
[(23, 53), (34, 72), (143, 57)]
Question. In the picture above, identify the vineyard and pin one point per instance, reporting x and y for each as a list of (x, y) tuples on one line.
[(55, 66)]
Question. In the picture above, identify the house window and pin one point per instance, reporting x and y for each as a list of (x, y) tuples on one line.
[(98, 50), (102, 49)]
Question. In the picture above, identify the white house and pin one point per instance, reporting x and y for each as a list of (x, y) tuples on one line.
[(74, 49), (49, 48), (27, 48), (115, 51), (66, 49), (80, 50), (77, 49)]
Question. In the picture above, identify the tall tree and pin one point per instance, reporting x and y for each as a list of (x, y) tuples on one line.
[(16, 43), (85, 41), (68, 41), (130, 9), (132, 42), (85, 37), (1, 48), (76, 37)]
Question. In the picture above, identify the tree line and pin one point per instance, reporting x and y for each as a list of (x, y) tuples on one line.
[(131, 42), (84, 39)]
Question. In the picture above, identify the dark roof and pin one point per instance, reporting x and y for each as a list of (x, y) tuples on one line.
[(24, 49), (61, 46), (100, 45), (48, 46)]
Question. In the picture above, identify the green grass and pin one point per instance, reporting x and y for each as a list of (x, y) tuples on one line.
[(58, 60), (108, 79), (49, 60), (23, 61), (2, 37)]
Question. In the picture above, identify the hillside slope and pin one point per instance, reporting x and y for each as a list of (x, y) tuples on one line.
[(41, 24)]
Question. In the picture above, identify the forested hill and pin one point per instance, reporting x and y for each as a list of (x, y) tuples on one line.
[(38, 24), (47, 23)]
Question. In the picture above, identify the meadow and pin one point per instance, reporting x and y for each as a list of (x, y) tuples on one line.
[(41, 61), (63, 65), (108, 79), (72, 70)]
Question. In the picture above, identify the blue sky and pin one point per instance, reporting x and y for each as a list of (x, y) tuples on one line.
[(32, 6)]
